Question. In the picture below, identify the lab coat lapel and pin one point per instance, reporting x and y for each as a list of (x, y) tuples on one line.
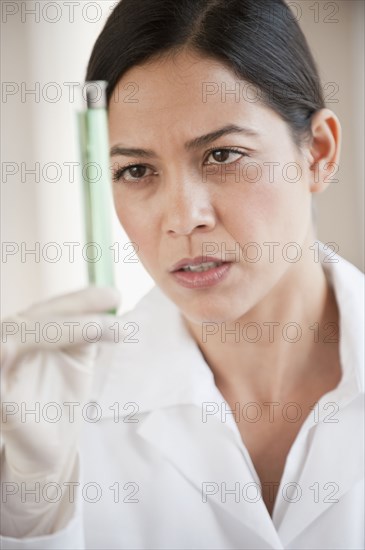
[(190, 446), (323, 482), (167, 377)]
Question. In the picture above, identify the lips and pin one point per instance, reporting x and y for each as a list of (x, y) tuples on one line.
[(194, 261)]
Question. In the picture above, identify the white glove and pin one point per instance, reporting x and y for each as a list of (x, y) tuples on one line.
[(47, 357)]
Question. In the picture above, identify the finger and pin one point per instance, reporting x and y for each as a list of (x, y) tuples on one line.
[(87, 300), (60, 332)]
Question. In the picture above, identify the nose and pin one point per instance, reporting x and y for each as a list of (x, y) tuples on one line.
[(187, 207)]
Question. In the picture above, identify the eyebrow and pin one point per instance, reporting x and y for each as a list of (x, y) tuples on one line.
[(193, 144)]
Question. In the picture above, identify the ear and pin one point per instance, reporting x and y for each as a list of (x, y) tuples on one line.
[(324, 151)]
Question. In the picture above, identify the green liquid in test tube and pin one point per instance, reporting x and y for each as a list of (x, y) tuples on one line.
[(97, 188)]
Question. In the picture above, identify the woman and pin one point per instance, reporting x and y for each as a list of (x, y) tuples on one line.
[(231, 417)]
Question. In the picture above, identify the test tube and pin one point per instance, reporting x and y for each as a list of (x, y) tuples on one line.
[(92, 122)]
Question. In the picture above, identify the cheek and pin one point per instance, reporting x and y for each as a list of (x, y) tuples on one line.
[(269, 209)]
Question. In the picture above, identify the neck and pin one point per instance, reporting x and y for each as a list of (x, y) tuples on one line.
[(275, 347)]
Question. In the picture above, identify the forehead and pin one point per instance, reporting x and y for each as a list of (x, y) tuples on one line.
[(188, 91)]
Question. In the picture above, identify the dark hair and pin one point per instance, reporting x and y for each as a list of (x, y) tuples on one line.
[(259, 40)]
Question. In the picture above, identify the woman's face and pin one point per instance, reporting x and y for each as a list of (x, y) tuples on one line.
[(185, 201)]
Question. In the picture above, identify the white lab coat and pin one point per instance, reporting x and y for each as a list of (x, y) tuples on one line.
[(187, 482)]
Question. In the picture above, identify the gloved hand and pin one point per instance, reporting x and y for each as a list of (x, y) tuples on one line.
[(47, 362)]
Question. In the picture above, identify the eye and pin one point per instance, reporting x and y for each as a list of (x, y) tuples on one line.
[(221, 155), (135, 172)]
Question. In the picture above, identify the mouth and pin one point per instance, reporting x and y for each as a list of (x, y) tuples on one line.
[(200, 268), (197, 265), (200, 274)]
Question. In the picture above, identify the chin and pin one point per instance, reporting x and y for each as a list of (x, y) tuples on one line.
[(211, 313), (224, 307)]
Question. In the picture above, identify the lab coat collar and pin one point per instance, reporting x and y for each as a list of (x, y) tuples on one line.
[(348, 284)]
